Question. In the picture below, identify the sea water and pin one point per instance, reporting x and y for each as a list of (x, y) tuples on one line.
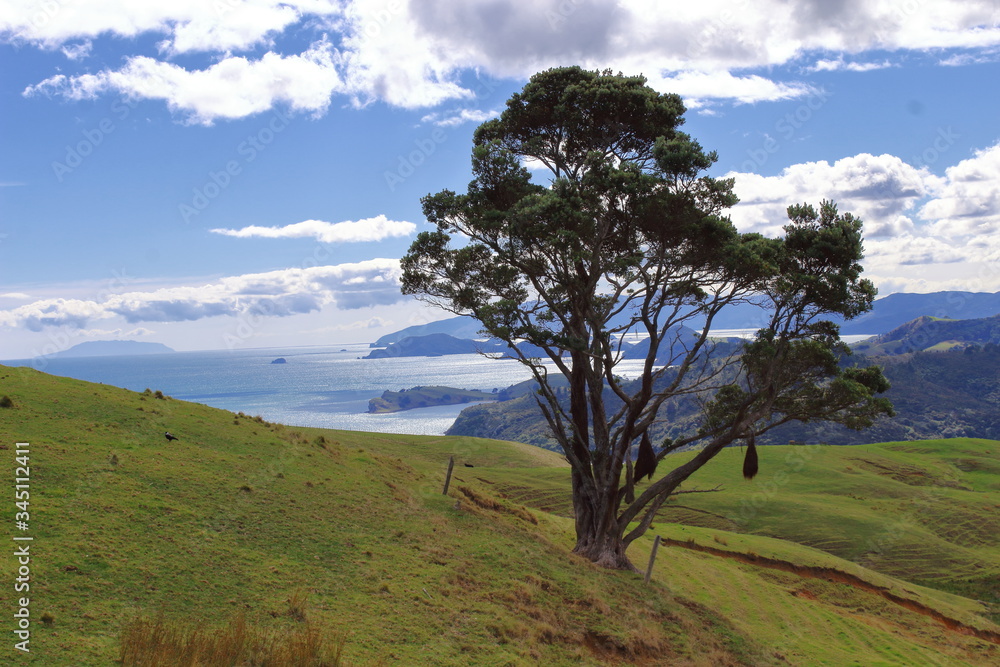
[(327, 387)]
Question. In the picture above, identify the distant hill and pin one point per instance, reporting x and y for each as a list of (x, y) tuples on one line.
[(933, 333), (887, 313), (936, 394), (112, 348), (898, 309), (433, 345), (459, 327), (425, 397)]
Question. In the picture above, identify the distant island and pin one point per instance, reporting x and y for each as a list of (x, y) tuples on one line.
[(280, 360), (112, 348), (433, 345), (425, 397)]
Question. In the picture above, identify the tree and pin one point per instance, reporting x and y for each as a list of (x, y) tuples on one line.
[(629, 236)]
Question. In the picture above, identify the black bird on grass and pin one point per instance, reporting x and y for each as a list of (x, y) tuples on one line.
[(170, 436)]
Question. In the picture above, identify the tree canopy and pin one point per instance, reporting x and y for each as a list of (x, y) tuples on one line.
[(626, 236)]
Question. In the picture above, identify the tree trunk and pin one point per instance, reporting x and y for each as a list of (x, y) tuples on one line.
[(598, 537)]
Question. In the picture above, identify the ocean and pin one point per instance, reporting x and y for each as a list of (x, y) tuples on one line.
[(328, 387)]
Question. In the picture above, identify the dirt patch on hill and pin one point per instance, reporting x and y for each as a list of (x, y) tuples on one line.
[(839, 576), (906, 474)]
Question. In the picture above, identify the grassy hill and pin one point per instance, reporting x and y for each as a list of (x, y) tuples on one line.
[(348, 533), (926, 512), (935, 334)]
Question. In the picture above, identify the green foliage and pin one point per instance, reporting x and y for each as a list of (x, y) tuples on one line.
[(629, 235), (6, 402)]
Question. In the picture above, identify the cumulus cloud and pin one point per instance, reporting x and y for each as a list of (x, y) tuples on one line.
[(37, 315), (882, 190), (234, 87), (272, 294), (698, 88), (413, 54), (914, 221), (351, 231), (188, 25), (969, 204)]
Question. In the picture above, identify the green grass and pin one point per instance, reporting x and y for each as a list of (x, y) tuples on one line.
[(239, 515), (925, 512)]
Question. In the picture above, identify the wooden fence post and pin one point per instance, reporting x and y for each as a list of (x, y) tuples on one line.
[(447, 479), (652, 559)]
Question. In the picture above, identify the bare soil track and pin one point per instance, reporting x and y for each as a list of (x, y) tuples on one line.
[(839, 576)]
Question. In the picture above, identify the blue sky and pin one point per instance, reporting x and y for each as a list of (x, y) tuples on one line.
[(231, 174)]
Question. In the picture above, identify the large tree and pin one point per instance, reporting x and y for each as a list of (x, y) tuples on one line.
[(626, 235)]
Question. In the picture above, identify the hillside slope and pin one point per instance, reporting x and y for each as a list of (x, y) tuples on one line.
[(926, 512), (952, 393), (934, 333), (239, 514)]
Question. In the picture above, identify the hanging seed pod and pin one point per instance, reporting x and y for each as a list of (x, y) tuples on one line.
[(750, 460), (645, 463)]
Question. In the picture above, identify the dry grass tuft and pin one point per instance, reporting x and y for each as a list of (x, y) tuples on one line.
[(495, 505), (157, 642)]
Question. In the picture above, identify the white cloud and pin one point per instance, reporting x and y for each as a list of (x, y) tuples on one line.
[(920, 229), (388, 58), (21, 296), (459, 117), (232, 88), (971, 58), (190, 25), (838, 64), (116, 333), (970, 202), (351, 231), (272, 294), (882, 190), (77, 51), (698, 88), (413, 54), (52, 313)]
